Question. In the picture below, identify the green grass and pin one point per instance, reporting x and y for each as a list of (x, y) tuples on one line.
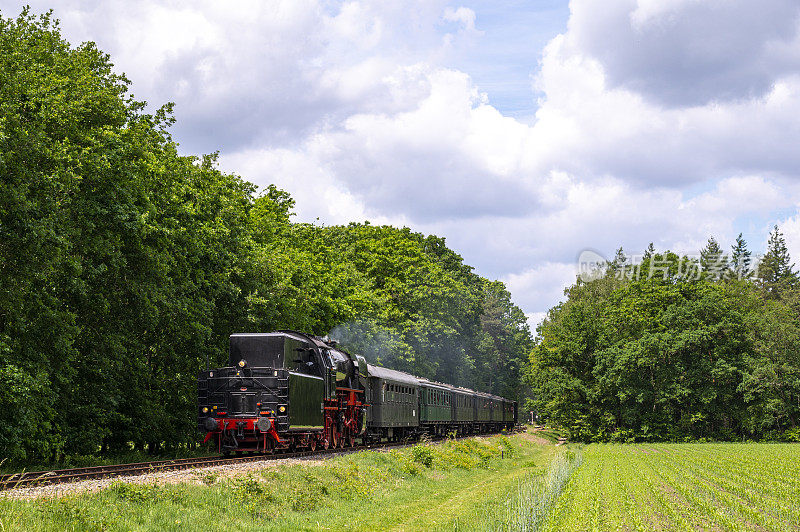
[(682, 487), (528, 508), (419, 488)]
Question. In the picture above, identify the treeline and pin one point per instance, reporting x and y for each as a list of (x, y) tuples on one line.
[(676, 349), (125, 266)]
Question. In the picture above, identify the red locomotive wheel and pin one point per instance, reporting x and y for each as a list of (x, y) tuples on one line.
[(351, 440), (312, 444)]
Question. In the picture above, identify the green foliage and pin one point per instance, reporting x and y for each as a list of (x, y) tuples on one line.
[(423, 454), (140, 493), (251, 494), (673, 356), (740, 258), (775, 271)]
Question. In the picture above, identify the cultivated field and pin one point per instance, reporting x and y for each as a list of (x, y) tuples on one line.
[(682, 487)]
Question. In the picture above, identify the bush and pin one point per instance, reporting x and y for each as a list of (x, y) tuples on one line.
[(423, 454), (139, 493), (251, 494), (791, 435)]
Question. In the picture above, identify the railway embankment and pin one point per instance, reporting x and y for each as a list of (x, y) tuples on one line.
[(422, 486)]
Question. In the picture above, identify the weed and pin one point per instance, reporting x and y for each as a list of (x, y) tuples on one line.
[(139, 493), (251, 495), (210, 478), (423, 454)]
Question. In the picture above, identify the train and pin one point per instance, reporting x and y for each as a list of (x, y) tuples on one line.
[(291, 390)]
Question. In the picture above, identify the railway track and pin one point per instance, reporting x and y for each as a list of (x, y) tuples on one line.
[(60, 476)]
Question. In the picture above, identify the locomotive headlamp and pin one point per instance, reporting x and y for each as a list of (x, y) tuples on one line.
[(281, 409), (242, 363), (205, 409)]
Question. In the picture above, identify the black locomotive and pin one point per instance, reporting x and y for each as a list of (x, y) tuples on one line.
[(287, 389)]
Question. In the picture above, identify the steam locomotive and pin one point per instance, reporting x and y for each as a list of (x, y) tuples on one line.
[(290, 390)]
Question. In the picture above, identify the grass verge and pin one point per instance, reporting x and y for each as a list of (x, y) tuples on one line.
[(423, 487), (527, 509)]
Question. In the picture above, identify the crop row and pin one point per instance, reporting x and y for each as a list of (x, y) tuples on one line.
[(682, 487)]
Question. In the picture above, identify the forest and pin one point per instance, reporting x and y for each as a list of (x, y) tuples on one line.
[(126, 265), (676, 348)]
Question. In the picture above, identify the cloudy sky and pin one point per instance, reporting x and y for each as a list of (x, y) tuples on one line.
[(523, 132)]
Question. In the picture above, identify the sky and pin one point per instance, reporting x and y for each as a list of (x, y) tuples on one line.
[(523, 132)]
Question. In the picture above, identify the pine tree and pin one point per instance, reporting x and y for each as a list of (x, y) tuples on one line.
[(650, 251), (713, 263), (620, 267), (776, 271), (740, 258)]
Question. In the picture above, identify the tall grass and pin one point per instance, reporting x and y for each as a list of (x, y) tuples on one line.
[(527, 509)]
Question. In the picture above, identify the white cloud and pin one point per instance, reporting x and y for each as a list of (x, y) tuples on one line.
[(543, 282), (689, 52)]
